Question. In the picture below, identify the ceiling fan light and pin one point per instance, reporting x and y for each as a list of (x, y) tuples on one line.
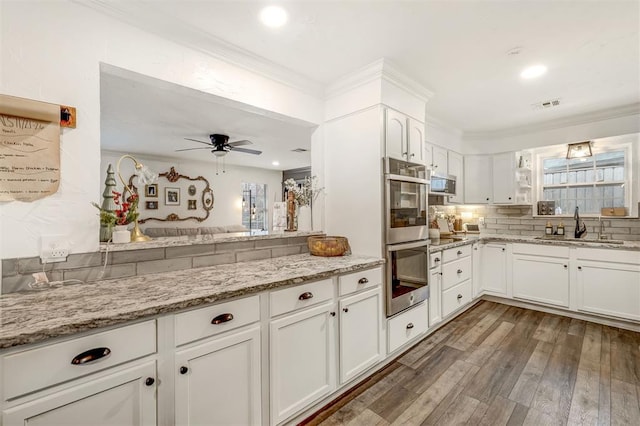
[(219, 153)]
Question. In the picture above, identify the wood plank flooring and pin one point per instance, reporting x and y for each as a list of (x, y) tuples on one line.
[(503, 365)]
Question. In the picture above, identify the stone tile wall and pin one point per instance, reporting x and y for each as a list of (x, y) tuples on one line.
[(87, 267), (518, 220)]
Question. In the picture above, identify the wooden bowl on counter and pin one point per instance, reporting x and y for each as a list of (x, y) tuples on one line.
[(328, 246)]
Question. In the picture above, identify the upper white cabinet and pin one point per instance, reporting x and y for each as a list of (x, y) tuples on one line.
[(404, 137), (455, 167), (503, 178), (440, 162), (478, 179)]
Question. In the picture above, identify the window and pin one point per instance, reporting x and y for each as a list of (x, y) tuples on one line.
[(254, 206), (589, 183)]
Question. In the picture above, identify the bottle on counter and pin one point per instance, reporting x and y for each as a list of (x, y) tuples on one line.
[(548, 229), (560, 230)]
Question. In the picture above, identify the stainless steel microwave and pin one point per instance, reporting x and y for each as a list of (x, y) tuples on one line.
[(443, 185)]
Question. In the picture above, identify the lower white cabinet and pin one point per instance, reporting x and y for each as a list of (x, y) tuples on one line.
[(302, 359), (541, 274), (407, 325), (218, 381), (435, 288), (126, 397), (494, 275), (608, 286), (360, 340)]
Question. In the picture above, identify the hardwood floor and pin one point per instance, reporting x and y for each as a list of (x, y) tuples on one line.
[(502, 365)]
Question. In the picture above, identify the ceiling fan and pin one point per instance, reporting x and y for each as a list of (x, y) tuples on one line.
[(221, 145)]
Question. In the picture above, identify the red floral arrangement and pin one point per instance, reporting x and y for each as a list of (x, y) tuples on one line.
[(127, 212)]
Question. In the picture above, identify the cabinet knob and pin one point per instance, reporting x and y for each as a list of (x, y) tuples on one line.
[(509, 197), (503, 249), (459, 252), (333, 314), (405, 154), (91, 355), (459, 296), (487, 199), (579, 268), (345, 309), (409, 326), (184, 370), (305, 296), (459, 271), (565, 266), (222, 318), (413, 155), (440, 273), (437, 259), (363, 281), (149, 381)]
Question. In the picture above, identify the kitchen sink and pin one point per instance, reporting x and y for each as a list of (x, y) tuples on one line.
[(581, 240)]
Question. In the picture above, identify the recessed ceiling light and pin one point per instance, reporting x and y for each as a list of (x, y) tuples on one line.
[(275, 163), (273, 16), (534, 71)]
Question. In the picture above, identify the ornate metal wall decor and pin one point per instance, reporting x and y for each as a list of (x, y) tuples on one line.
[(206, 197)]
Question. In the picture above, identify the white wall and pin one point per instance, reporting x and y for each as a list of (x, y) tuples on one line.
[(51, 51), (227, 189), (441, 134)]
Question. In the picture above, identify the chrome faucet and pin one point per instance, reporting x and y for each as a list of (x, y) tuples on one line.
[(581, 230)]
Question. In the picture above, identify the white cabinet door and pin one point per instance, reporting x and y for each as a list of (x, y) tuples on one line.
[(127, 397), (360, 337), (218, 382), (440, 160), (428, 156), (541, 279), (455, 167), (435, 288), (416, 141), (609, 288), (396, 135), (494, 276), (302, 360), (504, 176), (478, 183)]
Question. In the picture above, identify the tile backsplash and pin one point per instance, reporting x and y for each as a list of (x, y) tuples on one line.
[(519, 220)]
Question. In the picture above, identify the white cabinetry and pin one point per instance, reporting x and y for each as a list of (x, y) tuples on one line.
[(435, 288), (541, 274), (440, 162), (407, 326), (478, 180), (456, 279), (494, 276), (302, 355), (217, 381), (511, 178), (404, 137), (455, 167), (609, 282)]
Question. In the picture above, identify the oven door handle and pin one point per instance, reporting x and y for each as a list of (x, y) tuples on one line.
[(404, 246), (411, 179)]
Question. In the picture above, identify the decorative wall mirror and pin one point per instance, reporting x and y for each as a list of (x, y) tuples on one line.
[(178, 197)]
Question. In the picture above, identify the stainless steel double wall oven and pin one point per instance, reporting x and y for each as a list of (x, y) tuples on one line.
[(407, 231)]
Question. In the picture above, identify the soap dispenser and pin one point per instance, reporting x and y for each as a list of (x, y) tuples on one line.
[(548, 229), (560, 230)]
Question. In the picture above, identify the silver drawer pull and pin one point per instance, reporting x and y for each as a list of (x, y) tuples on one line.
[(91, 355), (363, 281), (305, 296), (222, 318)]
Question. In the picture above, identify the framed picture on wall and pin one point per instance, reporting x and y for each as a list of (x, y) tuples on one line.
[(151, 191), (191, 205), (172, 196), (151, 205)]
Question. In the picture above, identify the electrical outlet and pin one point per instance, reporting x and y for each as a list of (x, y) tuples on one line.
[(54, 248), (481, 221)]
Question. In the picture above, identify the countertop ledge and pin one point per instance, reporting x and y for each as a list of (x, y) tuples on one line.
[(62, 311), (531, 239)]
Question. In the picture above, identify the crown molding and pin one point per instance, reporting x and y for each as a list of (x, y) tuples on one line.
[(173, 30), (381, 69), (437, 122), (576, 120)]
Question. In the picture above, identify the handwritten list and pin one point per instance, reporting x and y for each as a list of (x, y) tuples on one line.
[(29, 149)]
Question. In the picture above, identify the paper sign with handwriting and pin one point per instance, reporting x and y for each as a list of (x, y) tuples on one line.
[(29, 149)]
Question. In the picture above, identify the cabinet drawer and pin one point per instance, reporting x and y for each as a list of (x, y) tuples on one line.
[(435, 259), (205, 322), (541, 250), (407, 325), (456, 297), (300, 296), (35, 369), (357, 281), (456, 253), (453, 273)]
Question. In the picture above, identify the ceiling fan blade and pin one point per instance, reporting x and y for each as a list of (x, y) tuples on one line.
[(191, 149), (245, 150), (240, 143), (195, 140)]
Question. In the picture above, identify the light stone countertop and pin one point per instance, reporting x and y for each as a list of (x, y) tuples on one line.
[(189, 240), (37, 316), (532, 239)]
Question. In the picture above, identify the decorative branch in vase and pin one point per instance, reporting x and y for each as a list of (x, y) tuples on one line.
[(304, 194)]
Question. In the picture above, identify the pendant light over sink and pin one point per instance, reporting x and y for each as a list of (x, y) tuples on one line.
[(579, 150)]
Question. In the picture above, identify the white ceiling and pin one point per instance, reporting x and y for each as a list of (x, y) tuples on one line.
[(457, 49)]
